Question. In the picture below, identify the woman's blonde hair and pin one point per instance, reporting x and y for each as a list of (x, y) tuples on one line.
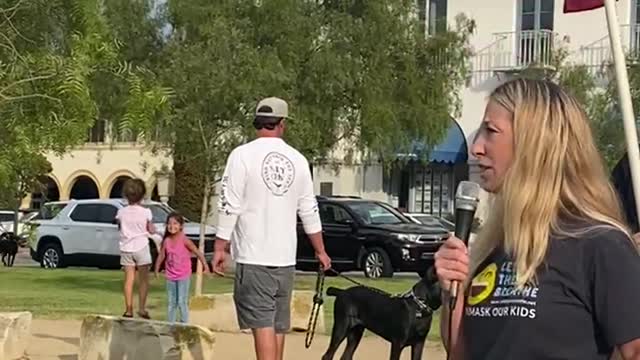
[(557, 177)]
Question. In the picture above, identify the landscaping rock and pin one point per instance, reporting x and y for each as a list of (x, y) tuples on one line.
[(218, 313), (113, 338), (15, 330)]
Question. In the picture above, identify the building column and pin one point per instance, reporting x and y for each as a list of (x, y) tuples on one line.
[(164, 185)]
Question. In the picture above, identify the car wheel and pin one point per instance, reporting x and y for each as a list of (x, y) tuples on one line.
[(377, 264), (51, 256)]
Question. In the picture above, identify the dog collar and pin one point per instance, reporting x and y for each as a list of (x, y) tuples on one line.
[(422, 306)]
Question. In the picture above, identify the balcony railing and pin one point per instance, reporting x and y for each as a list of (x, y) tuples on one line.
[(631, 33), (598, 53), (517, 50)]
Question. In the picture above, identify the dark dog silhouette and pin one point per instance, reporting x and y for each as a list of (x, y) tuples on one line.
[(403, 320), (8, 249)]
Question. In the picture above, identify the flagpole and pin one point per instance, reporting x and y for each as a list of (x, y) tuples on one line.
[(624, 94)]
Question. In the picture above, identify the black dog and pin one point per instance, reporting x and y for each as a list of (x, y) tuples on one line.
[(402, 320), (8, 249)]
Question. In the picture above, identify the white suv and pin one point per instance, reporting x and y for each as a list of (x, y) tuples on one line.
[(84, 233)]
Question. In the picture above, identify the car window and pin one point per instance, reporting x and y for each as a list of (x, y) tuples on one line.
[(334, 214), (49, 211), (85, 213), (428, 220), (96, 213), (4, 217), (107, 213), (374, 213), (159, 213)]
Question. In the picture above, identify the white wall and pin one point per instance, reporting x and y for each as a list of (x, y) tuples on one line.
[(355, 180), (586, 31)]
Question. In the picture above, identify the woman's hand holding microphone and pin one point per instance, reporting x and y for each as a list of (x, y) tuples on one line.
[(452, 263)]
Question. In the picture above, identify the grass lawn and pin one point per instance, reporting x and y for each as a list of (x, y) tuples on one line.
[(73, 293)]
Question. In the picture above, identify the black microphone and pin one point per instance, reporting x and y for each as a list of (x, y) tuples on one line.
[(467, 197)]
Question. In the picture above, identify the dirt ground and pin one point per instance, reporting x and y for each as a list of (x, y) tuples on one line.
[(49, 343)]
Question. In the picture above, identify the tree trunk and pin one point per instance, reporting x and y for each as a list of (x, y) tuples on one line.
[(204, 212), (16, 212), (16, 219)]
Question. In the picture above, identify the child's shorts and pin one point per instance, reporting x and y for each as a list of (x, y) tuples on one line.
[(139, 258)]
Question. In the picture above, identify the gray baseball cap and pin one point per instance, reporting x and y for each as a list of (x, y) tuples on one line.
[(279, 108)]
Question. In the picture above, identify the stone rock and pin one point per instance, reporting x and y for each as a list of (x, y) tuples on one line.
[(15, 330), (114, 338), (218, 313)]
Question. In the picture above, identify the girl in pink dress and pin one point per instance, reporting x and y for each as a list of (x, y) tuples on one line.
[(176, 250)]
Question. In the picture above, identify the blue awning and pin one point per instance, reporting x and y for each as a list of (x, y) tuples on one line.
[(453, 149)]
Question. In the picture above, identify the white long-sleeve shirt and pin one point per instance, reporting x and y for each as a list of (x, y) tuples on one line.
[(266, 183)]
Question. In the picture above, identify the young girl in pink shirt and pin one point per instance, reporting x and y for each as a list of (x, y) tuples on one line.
[(135, 226), (176, 250)]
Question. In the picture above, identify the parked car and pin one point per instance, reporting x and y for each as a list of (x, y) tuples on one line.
[(85, 233), (7, 223), (431, 220), (370, 236)]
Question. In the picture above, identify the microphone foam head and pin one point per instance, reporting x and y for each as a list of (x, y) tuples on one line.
[(467, 194)]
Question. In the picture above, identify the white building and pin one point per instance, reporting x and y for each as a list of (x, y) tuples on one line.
[(510, 35), (99, 168)]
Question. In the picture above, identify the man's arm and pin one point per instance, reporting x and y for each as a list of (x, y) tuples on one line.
[(231, 195), (310, 216), (308, 207), (317, 242)]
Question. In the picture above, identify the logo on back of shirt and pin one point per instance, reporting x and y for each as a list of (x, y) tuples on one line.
[(278, 173)]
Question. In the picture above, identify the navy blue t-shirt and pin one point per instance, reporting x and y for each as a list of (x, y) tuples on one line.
[(586, 302)]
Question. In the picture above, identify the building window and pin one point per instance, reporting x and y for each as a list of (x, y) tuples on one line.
[(422, 11), (437, 16), (432, 189), (536, 31), (635, 28), (97, 132), (326, 189), (536, 15)]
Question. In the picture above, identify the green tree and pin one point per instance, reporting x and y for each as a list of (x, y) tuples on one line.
[(52, 55), (358, 73)]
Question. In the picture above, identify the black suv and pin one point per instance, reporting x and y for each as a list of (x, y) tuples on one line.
[(371, 236)]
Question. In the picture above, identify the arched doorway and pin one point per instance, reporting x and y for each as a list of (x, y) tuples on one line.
[(118, 186), (47, 191), (84, 188)]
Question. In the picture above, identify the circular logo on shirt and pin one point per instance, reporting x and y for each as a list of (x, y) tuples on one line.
[(278, 173), (482, 285)]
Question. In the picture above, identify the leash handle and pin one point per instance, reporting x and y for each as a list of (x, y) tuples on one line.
[(315, 310)]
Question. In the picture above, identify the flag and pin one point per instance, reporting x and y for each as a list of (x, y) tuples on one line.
[(571, 6)]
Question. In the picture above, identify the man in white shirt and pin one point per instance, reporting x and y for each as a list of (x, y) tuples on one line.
[(266, 183)]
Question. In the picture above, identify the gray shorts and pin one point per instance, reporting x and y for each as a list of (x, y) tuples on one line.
[(139, 258), (262, 295)]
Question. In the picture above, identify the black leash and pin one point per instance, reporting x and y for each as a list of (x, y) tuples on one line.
[(315, 310)]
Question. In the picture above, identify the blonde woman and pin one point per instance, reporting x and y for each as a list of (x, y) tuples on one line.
[(554, 274)]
